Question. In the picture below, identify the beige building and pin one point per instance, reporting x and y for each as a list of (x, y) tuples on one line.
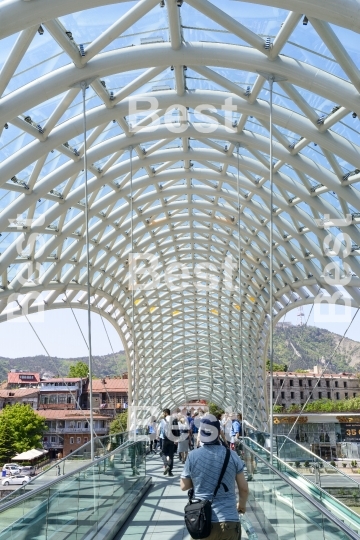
[(25, 396), (291, 388)]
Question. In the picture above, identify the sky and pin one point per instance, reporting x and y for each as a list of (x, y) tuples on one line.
[(60, 334)]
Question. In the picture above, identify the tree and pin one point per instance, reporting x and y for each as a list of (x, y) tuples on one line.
[(80, 369), (119, 425), (27, 426), (215, 410), (276, 367), (7, 442)]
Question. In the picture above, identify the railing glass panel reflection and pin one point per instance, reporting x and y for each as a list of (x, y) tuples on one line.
[(82, 502), (257, 459)]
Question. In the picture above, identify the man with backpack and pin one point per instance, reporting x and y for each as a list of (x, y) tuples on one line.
[(210, 473), (170, 429)]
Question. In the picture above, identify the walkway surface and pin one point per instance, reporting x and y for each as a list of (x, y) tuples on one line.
[(160, 516)]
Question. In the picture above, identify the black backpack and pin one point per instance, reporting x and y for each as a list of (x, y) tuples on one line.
[(198, 513)]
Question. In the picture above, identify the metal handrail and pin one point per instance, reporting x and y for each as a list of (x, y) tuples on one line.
[(328, 465), (344, 528), (56, 464), (45, 487)]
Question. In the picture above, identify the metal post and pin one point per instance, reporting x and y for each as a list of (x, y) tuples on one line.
[(132, 294), (240, 297), (92, 454), (271, 301)]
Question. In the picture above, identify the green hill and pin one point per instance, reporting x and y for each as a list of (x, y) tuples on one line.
[(303, 347), (300, 347), (106, 365)]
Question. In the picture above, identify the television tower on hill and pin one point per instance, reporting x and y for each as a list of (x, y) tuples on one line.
[(301, 316)]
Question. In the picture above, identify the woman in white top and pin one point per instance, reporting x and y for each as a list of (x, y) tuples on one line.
[(183, 444)]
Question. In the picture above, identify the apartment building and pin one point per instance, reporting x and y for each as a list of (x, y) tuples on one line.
[(64, 393), (22, 379), (291, 388), (110, 396), (67, 430), (26, 396)]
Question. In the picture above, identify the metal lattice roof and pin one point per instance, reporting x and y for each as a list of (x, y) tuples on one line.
[(197, 63)]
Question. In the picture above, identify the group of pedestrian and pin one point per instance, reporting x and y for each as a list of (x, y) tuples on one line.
[(208, 447)]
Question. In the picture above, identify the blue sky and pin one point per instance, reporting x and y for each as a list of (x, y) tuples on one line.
[(59, 333), (62, 338)]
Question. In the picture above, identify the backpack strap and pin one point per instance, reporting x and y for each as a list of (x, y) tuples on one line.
[(225, 464)]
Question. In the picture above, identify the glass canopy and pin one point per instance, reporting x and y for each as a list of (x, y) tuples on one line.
[(183, 88)]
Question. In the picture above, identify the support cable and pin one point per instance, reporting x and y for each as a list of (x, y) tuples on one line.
[(86, 343), (87, 241), (298, 343), (320, 376), (73, 395)]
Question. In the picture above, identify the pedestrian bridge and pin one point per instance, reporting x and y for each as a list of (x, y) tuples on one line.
[(124, 494)]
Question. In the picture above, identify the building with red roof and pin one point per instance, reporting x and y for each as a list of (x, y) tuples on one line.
[(23, 379)]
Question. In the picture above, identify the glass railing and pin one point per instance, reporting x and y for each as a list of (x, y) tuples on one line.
[(80, 457), (350, 518), (80, 503), (285, 510), (310, 465)]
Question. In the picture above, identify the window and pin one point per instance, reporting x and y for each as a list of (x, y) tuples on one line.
[(327, 384), (281, 381), (69, 399), (52, 439), (79, 425), (85, 439), (292, 395), (337, 395), (329, 395), (310, 383), (354, 394), (71, 440), (319, 384), (320, 395), (336, 384), (345, 384), (300, 382), (273, 395), (86, 425), (301, 395), (282, 395), (78, 440), (346, 395), (61, 398), (291, 382)]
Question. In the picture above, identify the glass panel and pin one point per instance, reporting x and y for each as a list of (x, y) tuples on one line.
[(307, 482), (85, 499)]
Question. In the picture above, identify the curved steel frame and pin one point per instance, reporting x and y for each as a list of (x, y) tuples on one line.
[(186, 202)]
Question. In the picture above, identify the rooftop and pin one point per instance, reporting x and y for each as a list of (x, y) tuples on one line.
[(19, 392), (65, 414), (23, 377), (113, 385)]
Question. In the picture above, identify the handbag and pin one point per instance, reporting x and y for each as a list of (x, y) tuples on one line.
[(198, 512)]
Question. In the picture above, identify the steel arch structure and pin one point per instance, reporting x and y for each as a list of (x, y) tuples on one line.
[(182, 84)]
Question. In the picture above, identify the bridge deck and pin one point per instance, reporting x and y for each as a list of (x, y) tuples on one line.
[(160, 516)]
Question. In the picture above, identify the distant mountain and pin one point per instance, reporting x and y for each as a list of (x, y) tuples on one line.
[(303, 347), (107, 365), (300, 347)]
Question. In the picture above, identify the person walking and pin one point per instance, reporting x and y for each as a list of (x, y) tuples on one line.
[(152, 430), (201, 473), (236, 431), (183, 444), (170, 429)]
